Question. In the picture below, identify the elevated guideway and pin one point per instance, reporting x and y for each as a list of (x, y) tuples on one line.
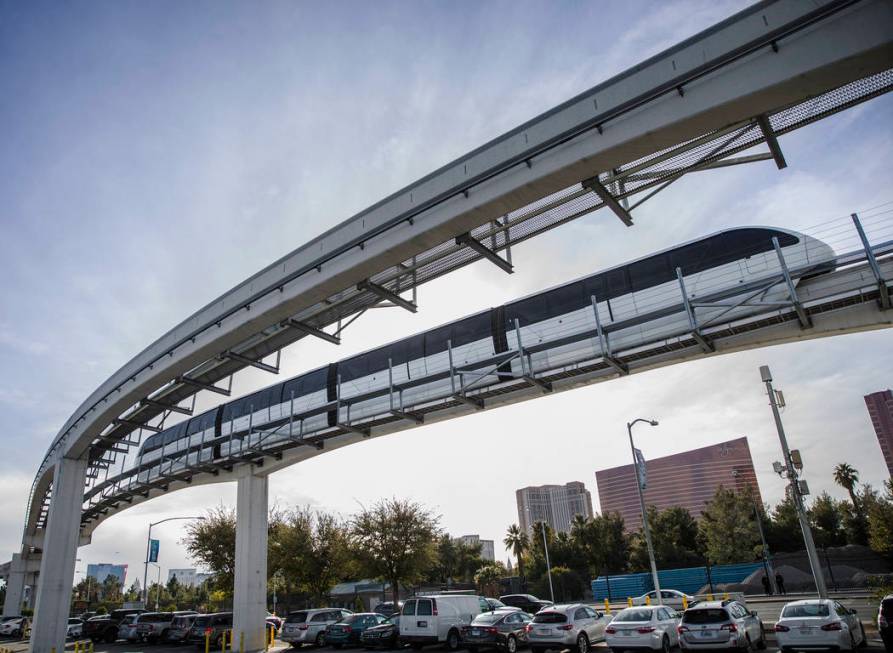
[(702, 105)]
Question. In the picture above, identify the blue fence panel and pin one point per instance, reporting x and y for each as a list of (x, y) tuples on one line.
[(689, 580)]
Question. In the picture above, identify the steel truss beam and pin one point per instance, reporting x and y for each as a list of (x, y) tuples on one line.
[(596, 187), (164, 406), (604, 344), (772, 141), (312, 331), (273, 369), (705, 344), (883, 289), (467, 240), (386, 294), (805, 321), (226, 392), (140, 425)]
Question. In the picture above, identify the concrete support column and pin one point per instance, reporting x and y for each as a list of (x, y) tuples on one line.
[(250, 597), (15, 587), (59, 553)]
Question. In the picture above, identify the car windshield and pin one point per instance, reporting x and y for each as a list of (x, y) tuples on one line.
[(201, 620), (487, 618), (296, 618), (496, 603), (550, 618), (349, 619), (634, 615), (805, 610), (705, 616), (74, 621)]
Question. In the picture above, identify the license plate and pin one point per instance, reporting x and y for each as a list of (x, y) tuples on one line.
[(705, 633), (475, 631), (421, 624), (543, 631), (625, 633), (806, 631)]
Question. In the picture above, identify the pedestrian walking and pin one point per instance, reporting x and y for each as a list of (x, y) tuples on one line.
[(766, 586), (779, 581)]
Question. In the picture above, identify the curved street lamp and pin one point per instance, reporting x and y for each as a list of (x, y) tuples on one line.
[(645, 529), (146, 563)]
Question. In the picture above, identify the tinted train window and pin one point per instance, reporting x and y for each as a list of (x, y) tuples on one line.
[(650, 272), (617, 282), (476, 327), (304, 385), (202, 422)]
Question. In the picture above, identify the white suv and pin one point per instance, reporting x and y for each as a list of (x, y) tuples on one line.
[(720, 624), (560, 626), (309, 626)]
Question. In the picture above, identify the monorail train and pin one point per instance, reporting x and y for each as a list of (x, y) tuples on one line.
[(358, 388)]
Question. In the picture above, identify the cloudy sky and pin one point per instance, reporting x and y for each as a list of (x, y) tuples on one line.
[(142, 140)]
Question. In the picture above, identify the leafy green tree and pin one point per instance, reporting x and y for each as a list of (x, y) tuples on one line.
[(675, 536), (728, 528), (173, 587), (783, 528), (111, 589), (846, 476), (518, 543), (468, 560), (879, 509), (567, 584), (211, 543), (487, 577), (396, 540), (445, 567), (826, 517)]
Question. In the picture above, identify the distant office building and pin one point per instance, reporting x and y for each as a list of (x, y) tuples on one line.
[(880, 409), (103, 569), (687, 479), (488, 550), (555, 505), (185, 577)]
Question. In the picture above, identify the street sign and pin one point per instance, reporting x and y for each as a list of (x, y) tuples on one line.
[(641, 471), (153, 550)]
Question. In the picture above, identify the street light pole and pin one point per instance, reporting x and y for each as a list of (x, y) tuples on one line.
[(794, 485), (146, 563), (548, 564), (645, 528)]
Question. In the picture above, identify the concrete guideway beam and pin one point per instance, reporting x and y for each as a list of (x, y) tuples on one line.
[(15, 587), (57, 563), (250, 597)]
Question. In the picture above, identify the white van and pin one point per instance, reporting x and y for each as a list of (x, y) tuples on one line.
[(437, 619)]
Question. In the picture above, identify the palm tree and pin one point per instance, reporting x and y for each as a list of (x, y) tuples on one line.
[(517, 542), (847, 477)]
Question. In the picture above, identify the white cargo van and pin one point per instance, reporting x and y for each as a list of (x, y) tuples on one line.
[(437, 619)]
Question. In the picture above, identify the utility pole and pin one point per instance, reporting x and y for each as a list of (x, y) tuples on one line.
[(795, 486), (548, 564)]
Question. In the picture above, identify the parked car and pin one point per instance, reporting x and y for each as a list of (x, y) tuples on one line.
[(385, 635), (885, 622), (75, 628), (15, 627), (720, 624), (309, 626), (818, 623), (504, 629), (387, 608), (560, 626), (350, 628), (180, 625), (643, 627), (105, 628), (274, 621), (437, 619), (154, 627), (672, 598), (127, 628), (84, 616), (210, 626), (496, 604), (527, 602)]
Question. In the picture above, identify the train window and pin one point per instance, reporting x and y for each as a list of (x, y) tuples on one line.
[(304, 385), (595, 285), (649, 272), (617, 282), (566, 299), (527, 311), (459, 333), (201, 422)]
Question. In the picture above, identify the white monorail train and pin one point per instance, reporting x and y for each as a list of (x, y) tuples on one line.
[(357, 389)]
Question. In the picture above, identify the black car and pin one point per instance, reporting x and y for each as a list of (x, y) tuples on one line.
[(527, 602), (384, 635), (885, 622), (105, 629), (504, 629)]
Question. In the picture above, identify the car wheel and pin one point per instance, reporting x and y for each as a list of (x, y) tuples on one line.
[(321, 639), (665, 644), (864, 642), (761, 644), (296, 645), (511, 644), (582, 643), (416, 646), (453, 640), (110, 637), (852, 641)]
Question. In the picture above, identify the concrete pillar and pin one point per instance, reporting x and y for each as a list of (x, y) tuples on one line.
[(15, 587), (250, 596), (59, 553)]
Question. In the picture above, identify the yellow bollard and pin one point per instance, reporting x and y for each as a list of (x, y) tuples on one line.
[(647, 599), (91, 646), (629, 601), (207, 642), (685, 602), (725, 596), (242, 641), (76, 645), (223, 642), (710, 597), (607, 607)]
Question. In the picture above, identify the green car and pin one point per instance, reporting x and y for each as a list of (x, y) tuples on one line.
[(348, 631)]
